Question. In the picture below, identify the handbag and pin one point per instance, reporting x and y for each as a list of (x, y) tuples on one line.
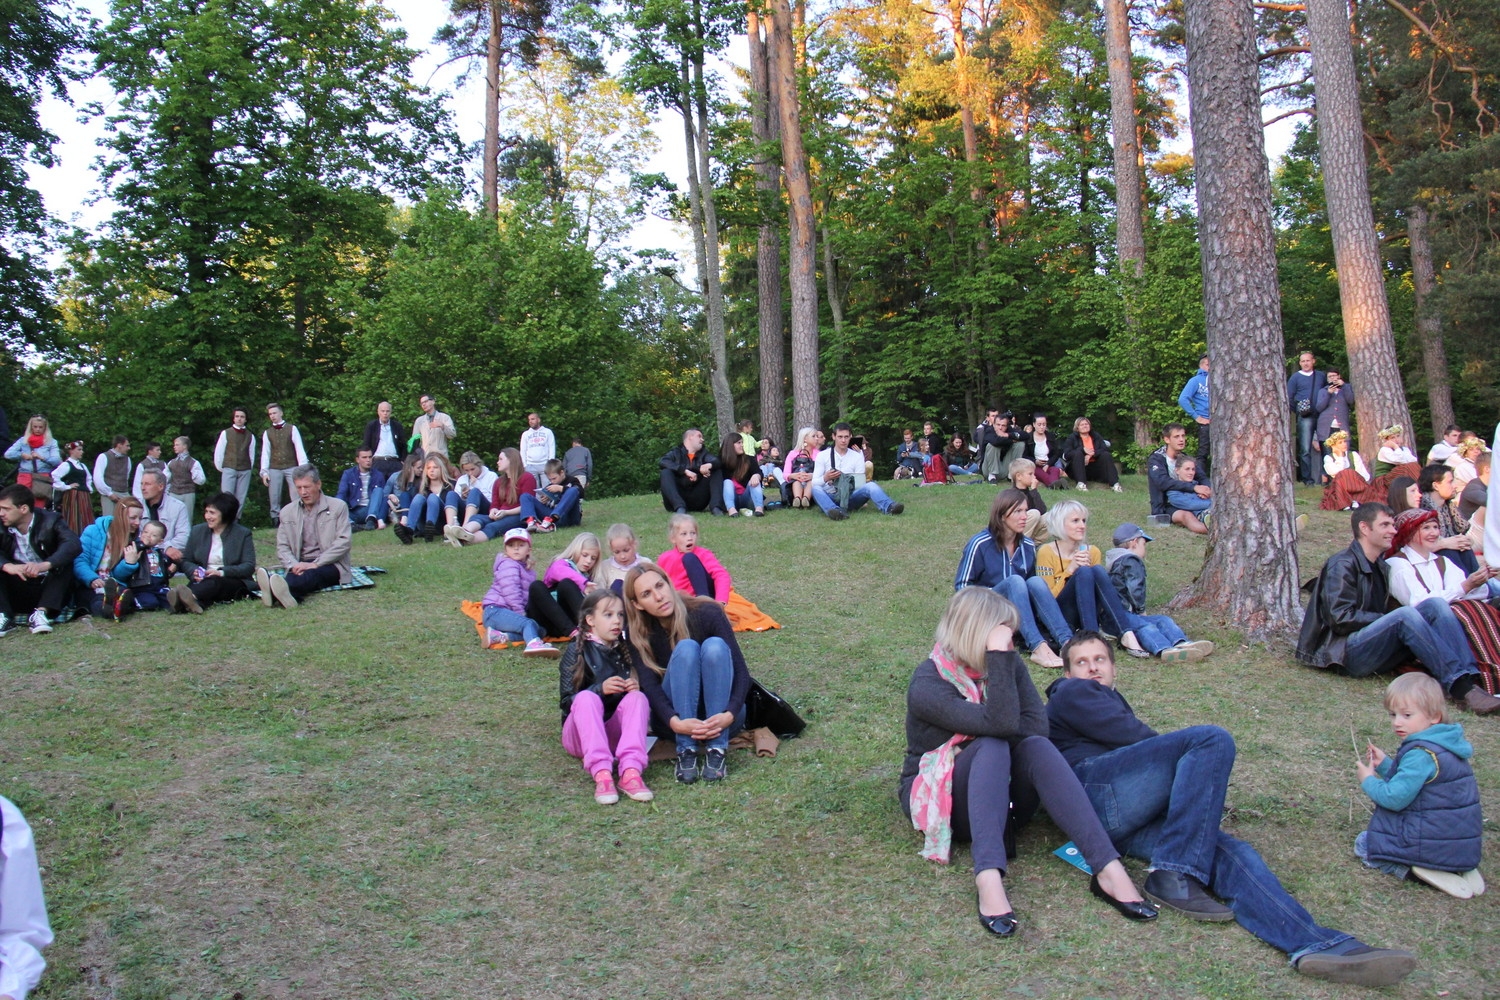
[(766, 709), (41, 485)]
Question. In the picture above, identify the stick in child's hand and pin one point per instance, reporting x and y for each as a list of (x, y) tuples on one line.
[(1353, 740)]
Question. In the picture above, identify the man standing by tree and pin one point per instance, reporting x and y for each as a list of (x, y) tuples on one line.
[(112, 474), (385, 441), (433, 427), (538, 446), (234, 456), (281, 451), (1194, 401), (1347, 628), (1302, 395)]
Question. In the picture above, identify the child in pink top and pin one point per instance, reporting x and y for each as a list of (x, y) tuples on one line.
[(692, 568), (578, 563)]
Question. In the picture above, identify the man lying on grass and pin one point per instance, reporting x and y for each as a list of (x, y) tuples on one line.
[(1130, 773)]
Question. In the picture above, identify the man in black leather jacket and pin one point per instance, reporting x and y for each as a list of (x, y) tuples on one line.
[(1348, 629), (692, 477), (37, 549)]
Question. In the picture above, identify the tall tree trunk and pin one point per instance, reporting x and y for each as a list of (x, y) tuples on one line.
[(768, 242), (836, 310), (492, 112), (1429, 322), (1249, 574), (806, 404), (1379, 396), (1130, 239), (706, 249), (965, 92)]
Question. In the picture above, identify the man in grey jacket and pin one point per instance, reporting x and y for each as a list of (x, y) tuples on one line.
[(312, 542)]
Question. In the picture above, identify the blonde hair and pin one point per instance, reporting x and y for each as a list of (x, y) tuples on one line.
[(1056, 518), (1079, 421), (183, 440), (1337, 437), (1470, 443), (678, 521), (802, 438), (1417, 691), (1021, 465), (584, 540), (618, 531), (638, 624), (963, 631)]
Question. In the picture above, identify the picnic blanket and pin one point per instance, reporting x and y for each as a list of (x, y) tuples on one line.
[(475, 610), (359, 579)]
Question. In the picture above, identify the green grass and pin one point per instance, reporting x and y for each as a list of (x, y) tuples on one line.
[(355, 800)]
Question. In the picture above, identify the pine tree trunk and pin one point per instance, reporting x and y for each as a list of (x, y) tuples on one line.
[(1249, 574), (836, 310), (1130, 237), (768, 243), (806, 402), (492, 113), (1429, 322), (1379, 396)]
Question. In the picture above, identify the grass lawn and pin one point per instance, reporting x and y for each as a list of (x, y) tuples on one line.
[(353, 799)]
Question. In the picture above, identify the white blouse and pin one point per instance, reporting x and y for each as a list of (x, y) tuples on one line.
[(1414, 578), (1396, 456), (1333, 464)]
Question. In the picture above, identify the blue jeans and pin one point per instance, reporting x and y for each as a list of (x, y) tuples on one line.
[(868, 493), (1033, 600), (474, 500), (427, 508), (972, 469), (566, 511), (753, 497), (1160, 800), (1182, 500), (376, 508), (1307, 470), (1081, 596), (1090, 596), (699, 680), (1155, 632), (512, 623), (1428, 632)]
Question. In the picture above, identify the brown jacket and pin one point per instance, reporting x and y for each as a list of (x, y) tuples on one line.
[(332, 524)]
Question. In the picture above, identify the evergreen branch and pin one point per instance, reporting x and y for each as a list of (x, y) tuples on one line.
[(1470, 71)]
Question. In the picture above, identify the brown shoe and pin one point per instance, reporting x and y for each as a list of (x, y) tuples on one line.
[(189, 601), (1479, 702)]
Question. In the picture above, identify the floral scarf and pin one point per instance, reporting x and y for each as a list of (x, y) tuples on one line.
[(932, 791)]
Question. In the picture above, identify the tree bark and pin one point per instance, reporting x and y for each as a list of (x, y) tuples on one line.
[(1380, 398), (806, 402), (706, 245), (1249, 574), (768, 242), (1429, 322), (836, 310), (492, 112), (1130, 239)]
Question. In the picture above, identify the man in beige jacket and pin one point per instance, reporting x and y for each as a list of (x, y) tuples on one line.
[(312, 542)]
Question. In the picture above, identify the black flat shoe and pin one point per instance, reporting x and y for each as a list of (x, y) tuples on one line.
[(1137, 910), (1000, 925)]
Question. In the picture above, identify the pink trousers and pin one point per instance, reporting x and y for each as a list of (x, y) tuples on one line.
[(588, 735)]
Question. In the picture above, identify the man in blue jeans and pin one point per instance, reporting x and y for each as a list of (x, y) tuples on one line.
[(840, 464), (1347, 628), (1160, 797)]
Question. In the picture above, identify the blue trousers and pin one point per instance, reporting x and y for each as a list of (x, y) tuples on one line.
[(376, 508), (567, 511), (1034, 601), (512, 623), (1429, 632), (699, 680), (868, 493), (472, 499), (427, 508), (753, 497), (1160, 800)]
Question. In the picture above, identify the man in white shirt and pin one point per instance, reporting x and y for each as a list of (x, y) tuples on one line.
[(829, 472), (434, 427), (538, 446), (234, 456), (112, 474), (386, 441), (1446, 446), (281, 451)]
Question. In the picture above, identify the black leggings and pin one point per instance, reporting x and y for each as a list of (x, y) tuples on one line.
[(1100, 470), (213, 589), (558, 616), (995, 780)]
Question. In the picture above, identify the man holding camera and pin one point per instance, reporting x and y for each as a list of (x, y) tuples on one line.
[(1334, 403)]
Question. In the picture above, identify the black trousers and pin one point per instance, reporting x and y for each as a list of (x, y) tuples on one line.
[(49, 591), (1203, 449), (558, 616), (302, 584), (699, 494), (1100, 470), (214, 589)]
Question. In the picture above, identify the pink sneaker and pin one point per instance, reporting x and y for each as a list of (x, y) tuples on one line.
[(604, 789), (632, 785), (489, 637)]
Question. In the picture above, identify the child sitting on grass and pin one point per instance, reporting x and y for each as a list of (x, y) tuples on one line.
[(505, 605), (149, 570), (693, 569), (560, 502), (571, 575), (1427, 822), (623, 557), (605, 715), (1126, 566), (1023, 477)]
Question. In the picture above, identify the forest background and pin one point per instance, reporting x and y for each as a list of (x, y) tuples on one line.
[(298, 220)]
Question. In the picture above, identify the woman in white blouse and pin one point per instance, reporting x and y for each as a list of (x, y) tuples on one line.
[(1419, 571), (219, 560), (1462, 462), (24, 930), (1348, 478)]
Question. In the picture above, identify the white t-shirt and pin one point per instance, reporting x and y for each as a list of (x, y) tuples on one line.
[(850, 463)]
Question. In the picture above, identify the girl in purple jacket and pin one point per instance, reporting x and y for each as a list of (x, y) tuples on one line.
[(505, 602)]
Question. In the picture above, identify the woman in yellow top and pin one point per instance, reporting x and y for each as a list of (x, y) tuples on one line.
[(1072, 569)]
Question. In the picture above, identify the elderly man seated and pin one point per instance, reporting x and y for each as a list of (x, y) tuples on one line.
[(312, 542)]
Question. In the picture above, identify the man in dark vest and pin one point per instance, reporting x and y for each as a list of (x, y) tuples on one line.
[(153, 462), (112, 474), (281, 451), (234, 456), (386, 441), (184, 474), (37, 549)]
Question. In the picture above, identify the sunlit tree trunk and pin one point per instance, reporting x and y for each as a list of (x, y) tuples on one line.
[(763, 126), (1249, 574), (806, 403), (1379, 396), (492, 112), (1429, 321)]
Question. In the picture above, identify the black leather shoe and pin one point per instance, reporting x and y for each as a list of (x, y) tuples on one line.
[(1185, 895), (1000, 925), (1138, 910)]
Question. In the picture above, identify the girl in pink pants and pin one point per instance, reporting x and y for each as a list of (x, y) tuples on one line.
[(605, 716)]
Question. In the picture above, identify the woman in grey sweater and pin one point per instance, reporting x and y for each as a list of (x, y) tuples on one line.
[(978, 755)]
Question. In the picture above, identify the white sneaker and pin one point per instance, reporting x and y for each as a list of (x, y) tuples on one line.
[(451, 536), (1475, 881), (1450, 882), (1084, 487), (1118, 488), (263, 581), (538, 648), (39, 622), (282, 592)]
